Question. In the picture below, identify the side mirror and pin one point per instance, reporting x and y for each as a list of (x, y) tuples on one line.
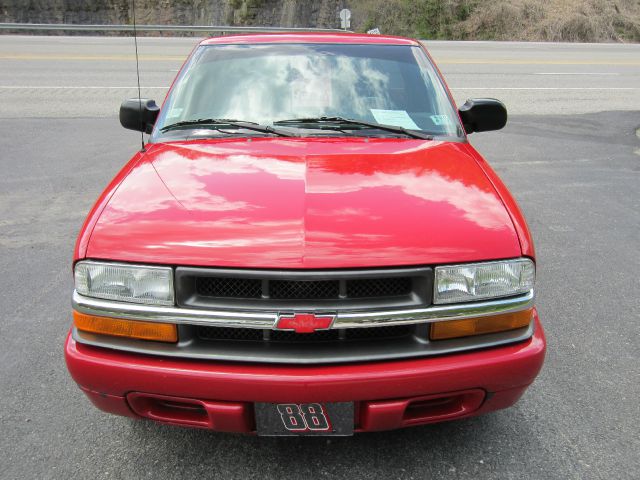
[(139, 114), (483, 114)]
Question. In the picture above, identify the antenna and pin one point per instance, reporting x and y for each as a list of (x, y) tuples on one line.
[(135, 40)]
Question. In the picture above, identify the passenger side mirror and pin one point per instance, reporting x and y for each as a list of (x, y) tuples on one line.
[(139, 114), (483, 114)]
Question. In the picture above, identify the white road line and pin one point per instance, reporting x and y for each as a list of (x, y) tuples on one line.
[(545, 88), (60, 87), (543, 162), (576, 73)]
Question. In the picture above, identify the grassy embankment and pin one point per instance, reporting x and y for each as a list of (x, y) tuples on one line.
[(528, 20)]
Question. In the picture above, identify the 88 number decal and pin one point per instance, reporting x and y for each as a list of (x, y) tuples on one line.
[(302, 417)]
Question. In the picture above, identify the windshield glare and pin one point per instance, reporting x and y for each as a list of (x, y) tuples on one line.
[(266, 83)]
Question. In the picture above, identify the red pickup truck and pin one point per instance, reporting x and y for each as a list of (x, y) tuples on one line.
[(307, 245)]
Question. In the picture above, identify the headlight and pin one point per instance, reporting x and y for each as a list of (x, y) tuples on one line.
[(125, 283), (478, 281)]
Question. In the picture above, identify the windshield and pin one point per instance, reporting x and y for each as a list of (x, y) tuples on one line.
[(269, 83)]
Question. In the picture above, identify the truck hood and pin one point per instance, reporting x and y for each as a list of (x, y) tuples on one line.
[(305, 203)]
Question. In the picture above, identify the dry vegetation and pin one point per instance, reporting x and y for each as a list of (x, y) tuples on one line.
[(545, 20)]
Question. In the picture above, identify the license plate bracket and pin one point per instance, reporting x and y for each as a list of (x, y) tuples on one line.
[(304, 419)]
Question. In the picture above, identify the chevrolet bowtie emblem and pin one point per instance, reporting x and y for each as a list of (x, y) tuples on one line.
[(304, 322)]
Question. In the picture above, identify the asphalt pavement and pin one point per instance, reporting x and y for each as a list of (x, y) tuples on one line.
[(570, 157)]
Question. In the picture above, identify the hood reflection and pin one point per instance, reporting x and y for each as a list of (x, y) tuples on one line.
[(295, 204)]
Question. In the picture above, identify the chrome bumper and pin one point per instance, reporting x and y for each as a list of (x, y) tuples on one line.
[(267, 320)]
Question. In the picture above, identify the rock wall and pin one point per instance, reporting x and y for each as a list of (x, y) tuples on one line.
[(282, 13)]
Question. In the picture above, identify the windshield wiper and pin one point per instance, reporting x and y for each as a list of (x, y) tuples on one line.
[(349, 121), (220, 123)]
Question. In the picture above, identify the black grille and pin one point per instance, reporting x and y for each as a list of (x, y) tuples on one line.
[(283, 336), (378, 287), (379, 332), (234, 334), (222, 287), (293, 337), (304, 289)]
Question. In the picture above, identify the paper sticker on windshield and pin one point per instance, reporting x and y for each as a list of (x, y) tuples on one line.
[(440, 120), (398, 118)]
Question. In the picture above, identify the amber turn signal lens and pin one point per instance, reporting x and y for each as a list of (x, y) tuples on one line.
[(480, 325), (159, 332)]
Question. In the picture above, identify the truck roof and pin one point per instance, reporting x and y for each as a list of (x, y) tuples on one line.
[(309, 37)]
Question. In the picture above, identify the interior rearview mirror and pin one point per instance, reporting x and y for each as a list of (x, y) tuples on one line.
[(483, 114), (139, 114)]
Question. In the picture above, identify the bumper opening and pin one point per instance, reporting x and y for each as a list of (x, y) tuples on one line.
[(384, 415), (221, 416)]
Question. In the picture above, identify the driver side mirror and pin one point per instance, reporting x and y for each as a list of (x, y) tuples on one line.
[(483, 114), (139, 114)]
